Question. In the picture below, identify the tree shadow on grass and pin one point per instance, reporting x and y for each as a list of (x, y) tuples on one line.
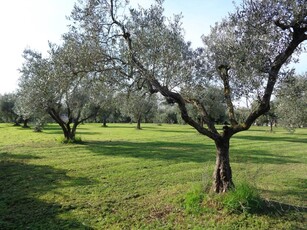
[(175, 131), (180, 152), (297, 214), (174, 151), (56, 129), (22, 184), (295, 188), (260, 157), (271, 138)]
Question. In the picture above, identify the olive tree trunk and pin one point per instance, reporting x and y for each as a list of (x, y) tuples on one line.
[(222, 176), (69, 133)]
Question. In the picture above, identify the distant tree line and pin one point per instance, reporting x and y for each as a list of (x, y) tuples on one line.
[(288, 109)]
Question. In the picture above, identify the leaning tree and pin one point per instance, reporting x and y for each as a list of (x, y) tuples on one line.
[(245, 54)]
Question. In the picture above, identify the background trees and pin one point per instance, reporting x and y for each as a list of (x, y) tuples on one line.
[(61, 84), (292, 102), (7, 112), (139, 106)]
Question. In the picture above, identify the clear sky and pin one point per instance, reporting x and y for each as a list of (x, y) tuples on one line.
[(31, 23)]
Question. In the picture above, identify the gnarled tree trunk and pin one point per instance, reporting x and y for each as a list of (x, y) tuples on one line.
[(69, 133), (222, 176)]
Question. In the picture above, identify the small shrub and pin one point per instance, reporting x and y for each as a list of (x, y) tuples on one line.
[(244, 198), (63, 140), (193, 200)]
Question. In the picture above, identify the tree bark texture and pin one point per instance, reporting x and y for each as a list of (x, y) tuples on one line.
[(69, 133), (222, 176)]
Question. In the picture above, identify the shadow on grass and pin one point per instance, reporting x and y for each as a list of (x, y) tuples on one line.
[(56, 129), (176, 152), (176, 131), (180, 152), (21, 185), (278, 210), (270, 138), (297, 214), (295, 188), (260, 157)]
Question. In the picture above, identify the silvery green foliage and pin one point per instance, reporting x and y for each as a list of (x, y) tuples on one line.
[(7, 111), (246, 54), (249, 41), (139, 104), (21, 110), (157, 40), (292, 102), (36, 83), (61, 84)]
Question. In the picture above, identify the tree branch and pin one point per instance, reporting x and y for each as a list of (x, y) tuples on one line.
[(223, 71), (204, 114), (158, 87), (298, 37)]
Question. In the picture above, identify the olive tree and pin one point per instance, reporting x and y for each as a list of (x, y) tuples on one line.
[(62, 84), (245, 53), (139, 105)]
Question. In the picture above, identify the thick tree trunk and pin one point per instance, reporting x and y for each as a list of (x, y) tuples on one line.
[(222, 176), (69, 133)]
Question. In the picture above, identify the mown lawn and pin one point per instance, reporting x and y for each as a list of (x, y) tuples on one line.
[(123, 178)]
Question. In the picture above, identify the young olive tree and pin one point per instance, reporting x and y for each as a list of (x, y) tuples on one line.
[(245, 53), (63, 85), (139, 105)]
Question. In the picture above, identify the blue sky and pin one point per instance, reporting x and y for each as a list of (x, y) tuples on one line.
[(31, 23)]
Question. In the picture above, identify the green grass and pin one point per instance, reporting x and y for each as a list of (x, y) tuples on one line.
[(123, 178)]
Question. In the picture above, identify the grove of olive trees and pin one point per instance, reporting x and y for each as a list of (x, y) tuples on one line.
[(246, 54)]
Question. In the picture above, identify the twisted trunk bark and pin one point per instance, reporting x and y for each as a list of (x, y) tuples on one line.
[(69, 133), (222, 176)]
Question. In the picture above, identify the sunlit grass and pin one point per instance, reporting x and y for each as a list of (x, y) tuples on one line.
[(122, 178)]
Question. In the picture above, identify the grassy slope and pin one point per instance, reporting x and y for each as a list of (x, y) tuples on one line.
[(123, 178)]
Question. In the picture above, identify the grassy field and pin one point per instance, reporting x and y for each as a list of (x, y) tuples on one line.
[(123, 178)]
